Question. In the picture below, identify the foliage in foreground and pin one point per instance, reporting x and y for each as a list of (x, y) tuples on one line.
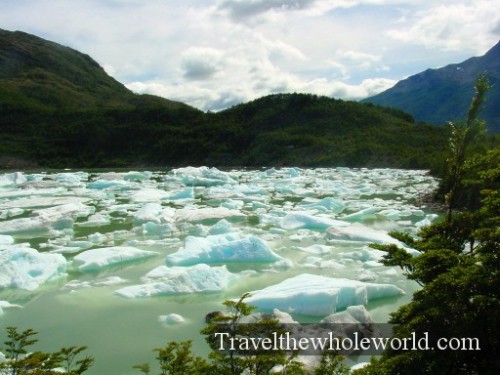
[(18, 361), (459, 268), (176, 358)]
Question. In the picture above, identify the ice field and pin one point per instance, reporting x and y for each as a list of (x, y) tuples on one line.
[(124, 261)]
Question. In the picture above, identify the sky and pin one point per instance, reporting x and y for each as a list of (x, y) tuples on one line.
[(213, 54)]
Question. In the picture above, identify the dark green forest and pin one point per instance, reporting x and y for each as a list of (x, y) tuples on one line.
[(59, 109)]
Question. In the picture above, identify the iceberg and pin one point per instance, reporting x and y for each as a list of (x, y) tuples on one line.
[(95, 259), (194, 214), (6, 240), (308, 294), (202, 176), (26, 268), (222, 249), (171, 319), (297, 220), (163, 280), (327, 204), (361, 233)]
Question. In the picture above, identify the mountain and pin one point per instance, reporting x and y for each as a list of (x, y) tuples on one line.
[(39, 74), (59, 108), (440, 95)]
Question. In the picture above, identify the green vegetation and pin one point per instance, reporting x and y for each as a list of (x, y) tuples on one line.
[(459, 267), (19, 362), (176, 358), (58, 108)]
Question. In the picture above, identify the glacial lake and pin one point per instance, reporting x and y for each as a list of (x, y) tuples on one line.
[(241, 230)]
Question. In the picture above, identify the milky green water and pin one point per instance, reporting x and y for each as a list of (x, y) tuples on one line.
[(121, 333)]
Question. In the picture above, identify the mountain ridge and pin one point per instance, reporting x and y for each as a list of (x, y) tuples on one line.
[(59, 109), (443, 94), (45, 75)]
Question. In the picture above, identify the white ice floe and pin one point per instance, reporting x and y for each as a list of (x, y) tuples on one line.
[(148, 195), (361, 233), (8, 305), (154, 213), (309, 294), (16, 178), (315, 249), (163, 280), (195, 214), (171, 319), (98, 258), (26, 268), (202, 176), (222, 248), (298, 220), (5, 240), (327, 204), (351, 315)]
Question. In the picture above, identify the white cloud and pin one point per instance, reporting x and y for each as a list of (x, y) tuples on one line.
[(215, 53), (455, 26)]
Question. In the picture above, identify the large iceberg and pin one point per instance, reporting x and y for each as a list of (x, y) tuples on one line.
[(315, 295), (98, 258), (163, 280), (26, 268), (222, 248)]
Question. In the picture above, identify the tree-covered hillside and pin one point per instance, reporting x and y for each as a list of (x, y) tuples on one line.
[(440, 95), (58, 108)]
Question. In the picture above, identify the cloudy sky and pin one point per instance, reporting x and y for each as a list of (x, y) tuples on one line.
[(213, 54)]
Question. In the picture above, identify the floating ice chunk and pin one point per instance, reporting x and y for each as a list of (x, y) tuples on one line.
[(8, 305), (352, 315), (98, 258), (317, 262), (202, 176), (26, 268), (361, 233), (233, 204), (221, 227), (327, 204), (194, 214), (155, 213), (69, 210), (366, 275), (16, 178), (163, 280), (96, 220), (171, 319), (390, 214), (296, 220), (137, 176), (96, 238), (110, 280), (222, 248), (37, 201), (6, 240), (308, 294), (110, 184), (148, 195), (366, 213), (316, 249), (426, 221), (58, 217), (187, 193), (11, 212)]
